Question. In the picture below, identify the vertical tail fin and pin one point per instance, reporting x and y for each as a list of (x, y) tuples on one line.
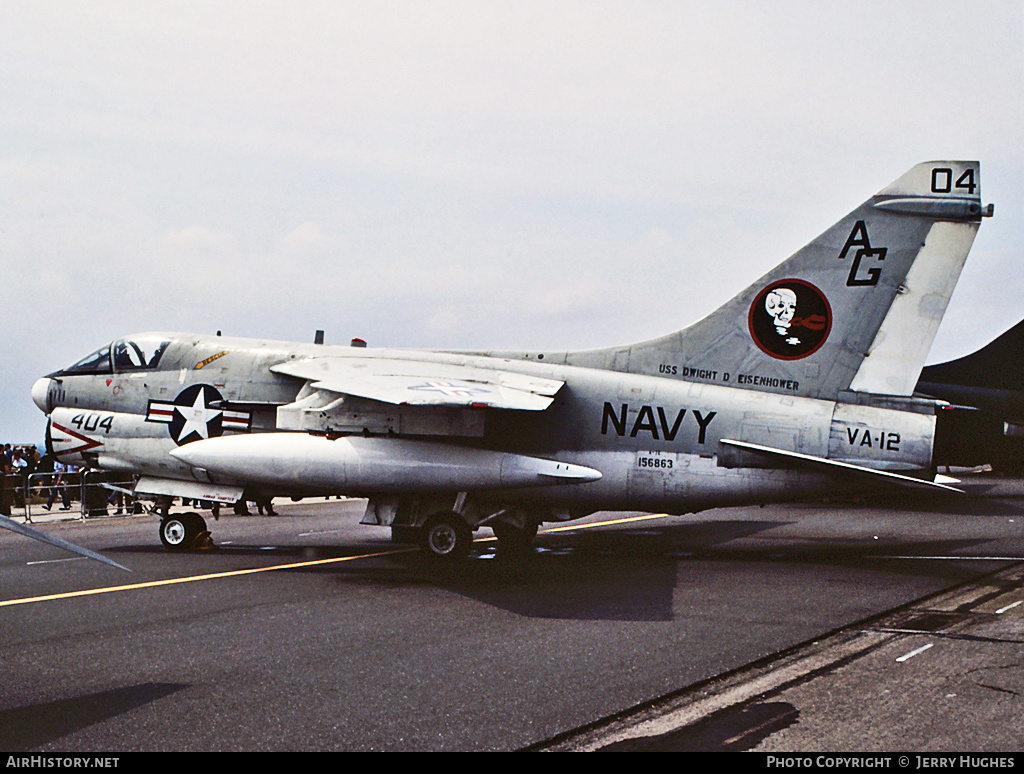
[(856, 309)]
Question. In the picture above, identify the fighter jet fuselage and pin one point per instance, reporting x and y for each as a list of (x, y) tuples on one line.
[(656, 441), (801, 386)]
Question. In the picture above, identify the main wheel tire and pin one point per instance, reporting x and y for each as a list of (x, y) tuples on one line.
[(174, 533), (510, 537), (530, 531), (446, 537), (513, 539), (178, 532)]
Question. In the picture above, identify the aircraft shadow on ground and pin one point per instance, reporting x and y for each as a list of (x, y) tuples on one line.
[(615, 573), (27, 728), (974, 503), (632, 574)]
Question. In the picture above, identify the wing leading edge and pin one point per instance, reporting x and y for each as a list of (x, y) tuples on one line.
[(423, 383)]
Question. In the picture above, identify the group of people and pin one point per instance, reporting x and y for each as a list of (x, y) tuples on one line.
[(25, 472), (17, 463)]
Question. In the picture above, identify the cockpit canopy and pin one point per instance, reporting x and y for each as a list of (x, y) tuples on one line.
[(141, 353)]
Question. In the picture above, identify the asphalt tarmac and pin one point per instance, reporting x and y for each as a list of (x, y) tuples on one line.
[(831, 626)]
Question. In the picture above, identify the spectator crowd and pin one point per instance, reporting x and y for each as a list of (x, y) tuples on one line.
[(26, 472)]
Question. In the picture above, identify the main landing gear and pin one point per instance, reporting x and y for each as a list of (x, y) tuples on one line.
[(445, 537), (512, 538)]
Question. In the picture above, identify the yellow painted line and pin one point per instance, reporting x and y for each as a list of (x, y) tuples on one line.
[(591, 525), (274, 568), (571, 527), (194, 578)]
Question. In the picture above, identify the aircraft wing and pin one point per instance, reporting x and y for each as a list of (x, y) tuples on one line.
[(834, 466), (423, 383), (35, 534)]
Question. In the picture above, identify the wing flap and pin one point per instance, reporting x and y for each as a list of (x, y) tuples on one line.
[(423, 383)]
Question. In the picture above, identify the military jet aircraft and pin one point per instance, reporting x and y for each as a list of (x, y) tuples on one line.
[(801, 386)]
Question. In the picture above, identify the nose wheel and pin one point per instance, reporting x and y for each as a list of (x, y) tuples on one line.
[(184, 531)]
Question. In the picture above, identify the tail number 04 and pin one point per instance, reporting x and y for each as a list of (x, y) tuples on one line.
[(942, 181)]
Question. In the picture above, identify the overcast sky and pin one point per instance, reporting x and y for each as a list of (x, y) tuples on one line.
[(470, 174)]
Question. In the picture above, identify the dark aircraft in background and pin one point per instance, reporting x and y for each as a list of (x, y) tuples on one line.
[(984, 425)]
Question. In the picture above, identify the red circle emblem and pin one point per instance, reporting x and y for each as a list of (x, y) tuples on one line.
[(790, 319)]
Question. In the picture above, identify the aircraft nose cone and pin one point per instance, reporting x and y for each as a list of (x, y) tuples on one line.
[(40, 394)]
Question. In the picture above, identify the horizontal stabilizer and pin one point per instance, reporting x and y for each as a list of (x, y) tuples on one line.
[(35, 534), (423, 383), (832, 466)]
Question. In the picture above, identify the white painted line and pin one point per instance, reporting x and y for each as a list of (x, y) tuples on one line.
[(1009, 607), (913, 653), (320, 532), (954, 558), (73, 559)]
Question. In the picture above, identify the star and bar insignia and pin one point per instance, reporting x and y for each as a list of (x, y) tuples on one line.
[(197, 414)]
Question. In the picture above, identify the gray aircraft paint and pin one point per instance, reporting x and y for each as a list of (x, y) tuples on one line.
[(799, 386)]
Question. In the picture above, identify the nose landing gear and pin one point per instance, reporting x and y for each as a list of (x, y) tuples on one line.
[(184, 532)]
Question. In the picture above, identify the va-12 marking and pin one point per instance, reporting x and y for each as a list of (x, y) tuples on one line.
[(883, 440)]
